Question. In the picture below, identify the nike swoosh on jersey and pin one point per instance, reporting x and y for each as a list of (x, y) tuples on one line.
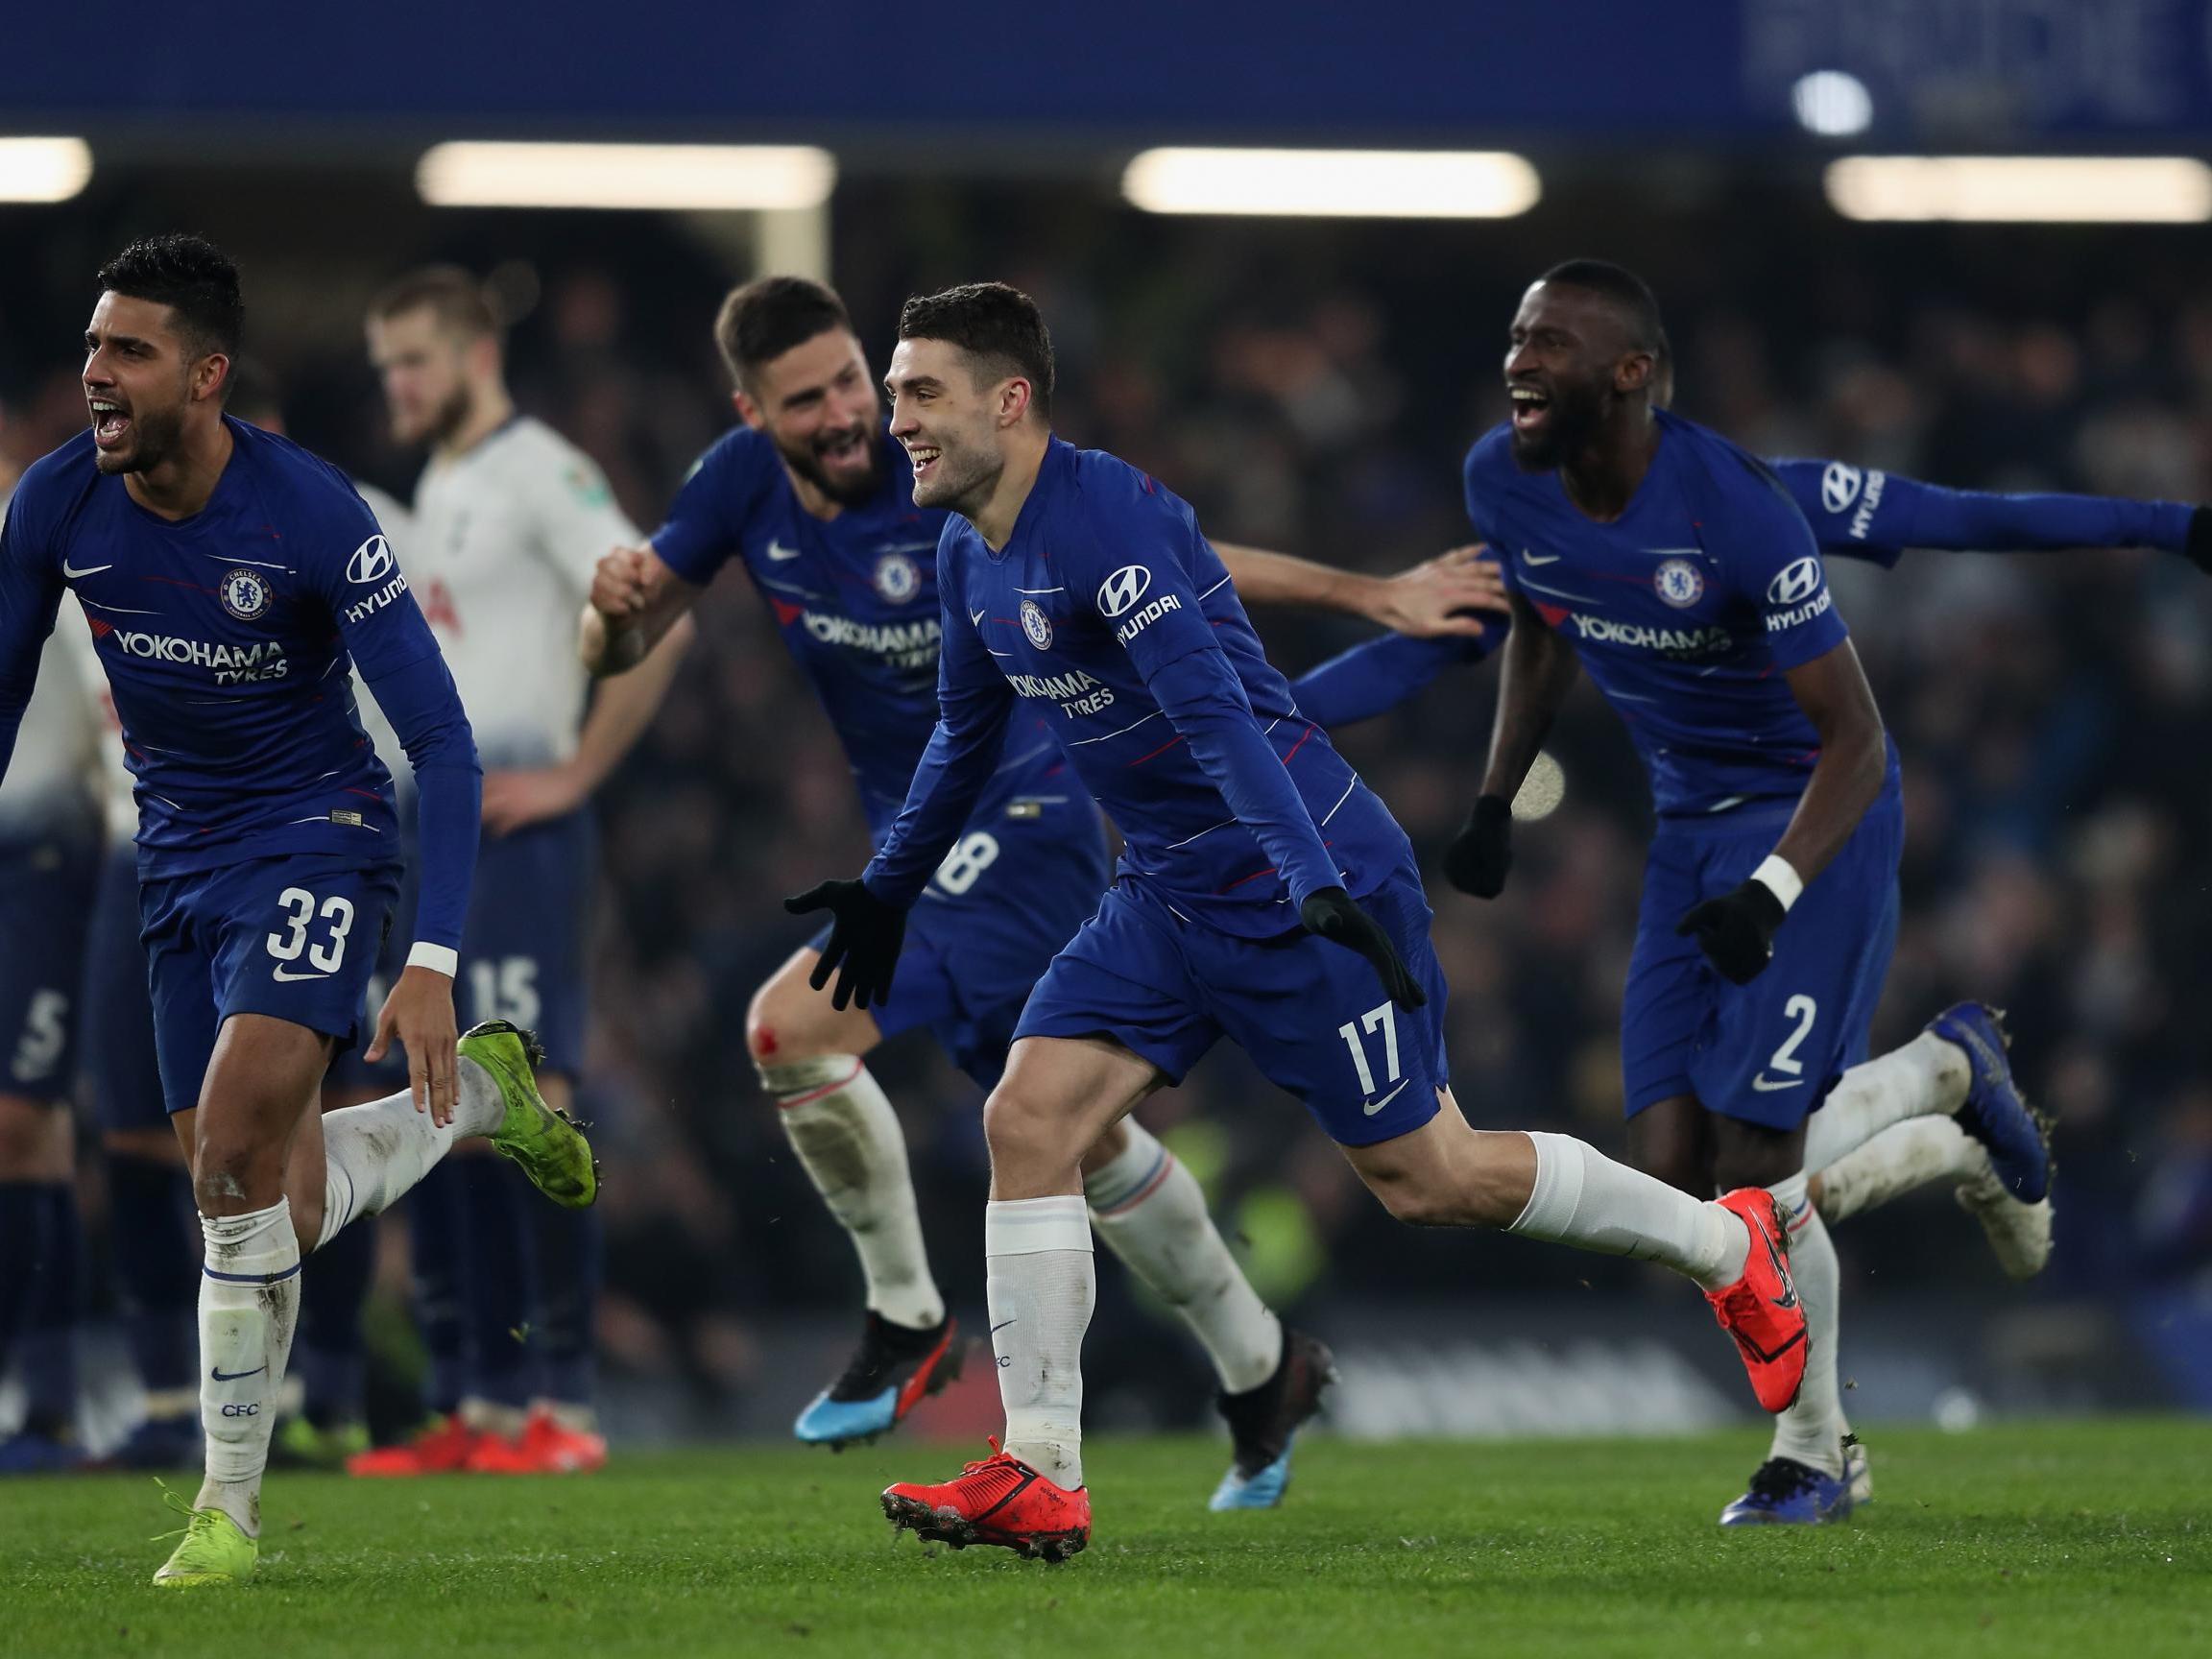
[(70, 572), (222, 1376), (282, 973), (779, 552), (1528, 558), (1374, 1106), (976, 617), (1766, 1084)]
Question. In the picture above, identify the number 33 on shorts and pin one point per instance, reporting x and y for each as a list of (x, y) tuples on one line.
[(329, 919)]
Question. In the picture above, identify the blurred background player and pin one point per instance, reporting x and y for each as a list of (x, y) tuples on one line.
[(816, 502), (509, 520), (49, 863), (1680, 574), (256, 859), (1077, 586)]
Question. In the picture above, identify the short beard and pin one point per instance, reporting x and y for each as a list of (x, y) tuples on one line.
[(448, 418), (854, 494), (1577, 418), (961, 492), (151, 443)]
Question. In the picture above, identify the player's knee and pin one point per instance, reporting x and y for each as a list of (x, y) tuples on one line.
[(26, 1127), (1022, 1131), (784, 1023), (231, 1173)]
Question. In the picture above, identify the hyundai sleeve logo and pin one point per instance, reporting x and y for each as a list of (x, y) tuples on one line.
[(371, 562), (1840, 486), (1796, 583), (1123, 589)]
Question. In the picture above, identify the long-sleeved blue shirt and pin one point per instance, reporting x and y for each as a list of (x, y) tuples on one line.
[(1109, 615), (226, 638), (1858, 512)]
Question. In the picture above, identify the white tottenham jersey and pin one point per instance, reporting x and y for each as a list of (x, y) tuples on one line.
[(50, 775), (500, 559)]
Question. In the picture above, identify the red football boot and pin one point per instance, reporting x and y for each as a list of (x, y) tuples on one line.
[(1000, 1500), (441, 1448), (555, 1449), (1760, 1310)]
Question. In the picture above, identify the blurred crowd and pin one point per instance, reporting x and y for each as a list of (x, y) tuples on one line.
[(1316, 397)]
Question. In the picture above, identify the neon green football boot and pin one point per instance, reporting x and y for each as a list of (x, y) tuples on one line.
[(547, 1145), (214, 1552)]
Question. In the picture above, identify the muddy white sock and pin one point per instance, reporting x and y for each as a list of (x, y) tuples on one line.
[(374, 1152), (1927, 1075), (1040, 1286), (1811, 1430), (1152, 1214), (1584, 1199), (849, 1141), (249, 1304), (1902, 1157)]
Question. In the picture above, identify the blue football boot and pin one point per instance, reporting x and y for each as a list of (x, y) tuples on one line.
[(1263, 1422), (896, 1369), (1788, 1493), (1995, 1113)]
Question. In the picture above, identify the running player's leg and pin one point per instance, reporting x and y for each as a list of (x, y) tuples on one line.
[(154, 1230), (46, 880), (39, 1238)]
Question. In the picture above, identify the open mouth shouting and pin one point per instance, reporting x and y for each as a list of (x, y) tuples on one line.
[(111, 422), (1531, 406)]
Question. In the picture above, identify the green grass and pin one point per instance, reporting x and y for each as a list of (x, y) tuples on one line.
[(2076, 1538)]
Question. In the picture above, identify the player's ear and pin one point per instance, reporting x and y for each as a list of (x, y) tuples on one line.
[(209, 376), (1633, 372), (748, 411), (1014, 397)]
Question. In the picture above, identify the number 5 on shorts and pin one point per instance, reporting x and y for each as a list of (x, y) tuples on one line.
[(300, 907)]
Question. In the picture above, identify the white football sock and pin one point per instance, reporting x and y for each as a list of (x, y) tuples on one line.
[(1152, 1215), (249, 1304), (1811, 1430), (847, 1138), (1583, 1198), (1041, 1283), (375, 1152), (1927, 1075), (1902, 1157)]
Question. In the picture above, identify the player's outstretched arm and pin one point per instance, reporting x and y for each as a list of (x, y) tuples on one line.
[(635, 601), (1448, 595), (1737, 929), (1377, 675), (870, 913), (621, 709), (30, 596), (1876, 516), (1539, 670)]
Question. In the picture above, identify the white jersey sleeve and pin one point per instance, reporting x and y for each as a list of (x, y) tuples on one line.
[(505, 539)]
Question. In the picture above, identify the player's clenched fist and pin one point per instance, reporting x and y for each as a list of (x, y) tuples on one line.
[(618, 590), (1736, 931)]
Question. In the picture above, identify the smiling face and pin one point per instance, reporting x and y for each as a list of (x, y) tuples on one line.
[(820, 409), (143, 382), (952, 421), (1572, 362)]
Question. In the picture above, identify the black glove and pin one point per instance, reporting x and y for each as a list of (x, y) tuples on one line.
[(864, 941), (1482, 853), (2198, 546), (1331, 914), (1736, 931)]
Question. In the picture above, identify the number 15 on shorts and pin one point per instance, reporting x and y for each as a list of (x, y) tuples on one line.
[(1383, 1019)]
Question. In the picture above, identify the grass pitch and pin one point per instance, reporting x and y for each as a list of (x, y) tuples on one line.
[(2025, 1539)]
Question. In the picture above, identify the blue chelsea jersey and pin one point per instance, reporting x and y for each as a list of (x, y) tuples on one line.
[(1110, 618), (226, 638), (856, 600), (1687, 611)]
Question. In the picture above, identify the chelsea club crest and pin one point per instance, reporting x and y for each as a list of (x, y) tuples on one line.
[(897, 579), (1680, 583), (1036, 624), (244, 594)]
